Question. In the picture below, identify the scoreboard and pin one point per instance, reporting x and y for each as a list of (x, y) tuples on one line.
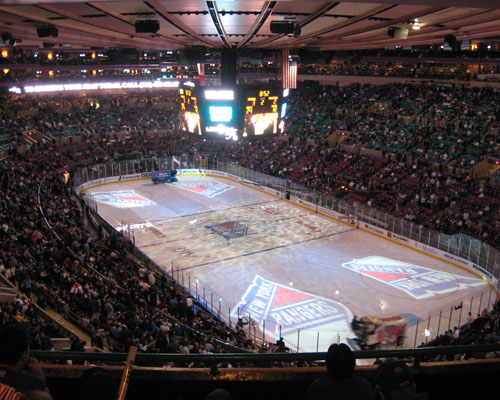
[(190, 111), (261, 111), (261, 102), (232, 113), (189, 102)]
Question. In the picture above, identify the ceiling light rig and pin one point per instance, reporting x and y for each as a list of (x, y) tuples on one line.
[(415, 24)]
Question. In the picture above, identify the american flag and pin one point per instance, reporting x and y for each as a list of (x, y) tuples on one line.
[(288, 71)]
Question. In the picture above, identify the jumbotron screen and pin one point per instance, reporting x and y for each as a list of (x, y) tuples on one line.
[(233, 112), (221, 115)]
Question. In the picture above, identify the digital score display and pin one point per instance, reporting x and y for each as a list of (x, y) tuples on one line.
[(190, 111), (232, 112), (264, 103), (189, 102), (261, 112)]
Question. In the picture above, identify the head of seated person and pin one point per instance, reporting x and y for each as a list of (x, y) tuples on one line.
[(394, 381), (340, 361)]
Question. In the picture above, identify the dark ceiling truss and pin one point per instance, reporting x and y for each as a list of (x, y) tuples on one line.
[(71, 34), (318, 13), (352, 21), (266, 11), (331, 25), (335, 16), (130, 30), (421, 36), (214, 13), (457, 23), (161, 12), (325, 40)]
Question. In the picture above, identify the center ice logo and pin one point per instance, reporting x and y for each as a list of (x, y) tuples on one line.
[(230, 230), (280, 309), (206, 188), (122, 199), (419, 282)]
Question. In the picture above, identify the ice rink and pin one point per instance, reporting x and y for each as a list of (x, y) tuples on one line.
[(245, 252)]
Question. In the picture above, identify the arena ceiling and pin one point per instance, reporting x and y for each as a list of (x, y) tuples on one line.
[(240, 24)]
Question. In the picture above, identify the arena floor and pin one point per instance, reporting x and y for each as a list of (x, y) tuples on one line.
[(293, 271)]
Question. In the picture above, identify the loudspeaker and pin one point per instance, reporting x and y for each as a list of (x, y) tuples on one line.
[(147, 26), (397, 33), (282, 27), (46, 31), (47, 45), (451, 40)]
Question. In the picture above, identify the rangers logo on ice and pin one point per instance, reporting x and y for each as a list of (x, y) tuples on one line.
[(204, 187), (280, 309), (419, 282), (122, 199), (230, 230)]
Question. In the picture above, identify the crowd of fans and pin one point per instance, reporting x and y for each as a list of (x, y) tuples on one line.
[(86, 275), (482, 329), (461, 72), (428, 140), (94, 65), (394, 69), (428, 152)]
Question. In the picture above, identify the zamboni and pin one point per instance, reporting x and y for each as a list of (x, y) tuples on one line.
[(164, 176)]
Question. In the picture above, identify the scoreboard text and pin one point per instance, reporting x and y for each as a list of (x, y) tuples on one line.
[(188, 101), (263, 102)]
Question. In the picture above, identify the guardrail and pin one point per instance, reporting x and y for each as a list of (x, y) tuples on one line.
[(416, 355)]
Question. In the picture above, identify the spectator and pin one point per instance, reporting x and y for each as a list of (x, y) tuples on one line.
[(340, 382), (98, 384), (219, 394), (20, 374), (393, 380)]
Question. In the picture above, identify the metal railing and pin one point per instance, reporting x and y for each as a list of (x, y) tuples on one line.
[(155, 359), (430, 325)]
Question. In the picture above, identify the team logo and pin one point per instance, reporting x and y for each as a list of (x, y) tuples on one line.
[(419, 282), (276, 309), (206, 188), (122, 199), (230, 230)]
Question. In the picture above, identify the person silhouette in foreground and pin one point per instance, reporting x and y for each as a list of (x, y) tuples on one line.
[(21, 376), (393, 380), (340, 382)]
